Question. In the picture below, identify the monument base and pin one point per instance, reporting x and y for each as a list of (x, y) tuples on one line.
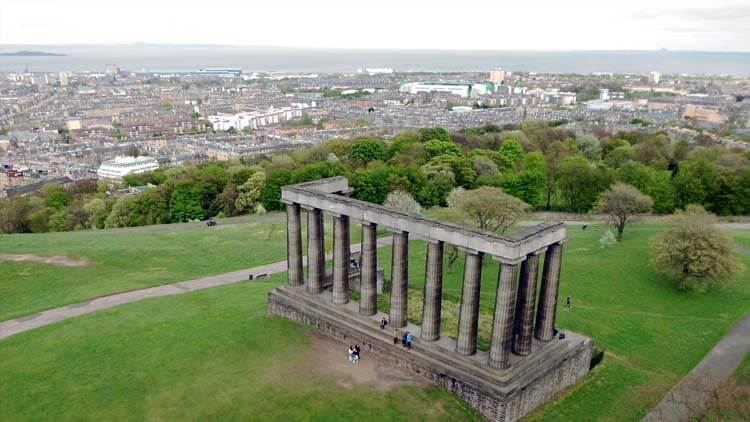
[(497, 394)]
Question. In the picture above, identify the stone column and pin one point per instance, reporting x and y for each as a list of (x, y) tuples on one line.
[(523, 323), (368, 303), (294, 245), (316, 259), (433, 292), (502, 321), (468, 318), (341, 254), (400, 276), (545, 314)]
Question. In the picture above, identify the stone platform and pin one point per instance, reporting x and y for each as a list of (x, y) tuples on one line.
[(497, 394)]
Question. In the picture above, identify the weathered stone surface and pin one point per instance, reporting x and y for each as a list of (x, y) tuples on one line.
[(502, 321), (368, 304), (341, 253), (294, 245), (468, 318), (545, 314), (400, 276), (315, 251), (523, 324), (498, 395), (433, 292)]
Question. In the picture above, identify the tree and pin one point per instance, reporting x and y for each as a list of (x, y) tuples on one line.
[(588, 146), (55, 196), (694, 252), (250, 191), (623, 203), (428, 134), (436, 147), (491, 209), (512, 150), (367, 150), (580, 183), (270, 196), (402, 201), (97, 211), (185, 202)]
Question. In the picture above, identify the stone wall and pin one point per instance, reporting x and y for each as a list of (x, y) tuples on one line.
[(495, 407)]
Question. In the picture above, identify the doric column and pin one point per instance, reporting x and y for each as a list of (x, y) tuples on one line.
[(341, 254), (400, 276), (316, 259), (523, 323), (545, 314), (368, 303), (468, 318), (433, 292), (294, 245), (502, 321)]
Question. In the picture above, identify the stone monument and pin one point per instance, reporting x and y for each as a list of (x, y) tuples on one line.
[(527, 362)]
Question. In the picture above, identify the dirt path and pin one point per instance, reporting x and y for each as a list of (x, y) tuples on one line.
[(54, 260), (330, 359), (692, 393), (50, 316)]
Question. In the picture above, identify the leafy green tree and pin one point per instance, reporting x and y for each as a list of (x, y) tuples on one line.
[(428, 134), (623, 203), (371, 185), (185, 202), (619, 156), (56, 197), (527, 184), (695, 181), (553, 156), (580, 183), (14, 215), (367, 150), (58, 221), (694, 252), (512, 150), (462, 168), (588, 146), (249, 192), (121, 213), (436, 147), (97, 210), (270, 196), (484, 166), (153, 206)]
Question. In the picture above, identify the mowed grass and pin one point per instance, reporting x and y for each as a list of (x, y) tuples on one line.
[(208, 355), (652, 333), (135, 258)]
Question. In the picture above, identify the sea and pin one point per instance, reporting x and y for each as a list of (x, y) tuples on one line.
[(190, 58)]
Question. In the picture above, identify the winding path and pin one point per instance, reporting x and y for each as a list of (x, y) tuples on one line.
[(693, 392), (50, 316)]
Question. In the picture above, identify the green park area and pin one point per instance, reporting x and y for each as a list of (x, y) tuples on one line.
[(215, 354)]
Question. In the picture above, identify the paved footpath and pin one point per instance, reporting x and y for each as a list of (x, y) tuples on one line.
[(29, 322), (693, 392)]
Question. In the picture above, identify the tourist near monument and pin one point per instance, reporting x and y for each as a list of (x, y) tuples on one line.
[(528, 361)]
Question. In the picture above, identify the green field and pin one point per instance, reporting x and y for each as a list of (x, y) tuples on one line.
[(133, 259), (200, 354), (208, 355)]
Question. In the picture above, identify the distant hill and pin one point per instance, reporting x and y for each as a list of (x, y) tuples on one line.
[(29, 53)]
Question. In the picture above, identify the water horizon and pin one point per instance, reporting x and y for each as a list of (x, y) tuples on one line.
[(142, 57)]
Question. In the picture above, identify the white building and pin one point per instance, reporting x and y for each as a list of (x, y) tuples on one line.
[(379, 70), (462, 89), (63, 77), (115, 170), (254, 119), (654, 77)]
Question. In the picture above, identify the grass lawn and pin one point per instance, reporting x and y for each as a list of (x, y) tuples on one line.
[(134, 259), (653, 334), (208, 355), (172, 349)]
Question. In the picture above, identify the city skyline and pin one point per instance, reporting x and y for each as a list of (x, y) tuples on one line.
[(332, 24)]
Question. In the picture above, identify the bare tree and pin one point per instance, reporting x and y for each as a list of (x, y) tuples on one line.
[(491, 209), (623, 203)]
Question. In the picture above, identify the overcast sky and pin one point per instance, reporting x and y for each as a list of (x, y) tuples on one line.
[(711, 25)]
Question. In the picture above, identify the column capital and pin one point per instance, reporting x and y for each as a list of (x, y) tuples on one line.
[(468, 250), (308, 207), (506, 261), (288, 202), (538, 251)]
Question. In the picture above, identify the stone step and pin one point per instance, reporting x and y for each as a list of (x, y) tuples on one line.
[(463, 367)]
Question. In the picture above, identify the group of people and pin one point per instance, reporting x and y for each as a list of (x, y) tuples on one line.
[(354, 353), (405, 338)]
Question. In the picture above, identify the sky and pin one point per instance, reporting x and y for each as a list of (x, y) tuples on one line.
[(706, 25)]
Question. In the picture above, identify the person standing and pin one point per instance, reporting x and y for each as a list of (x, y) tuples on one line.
[(403, 338), (383, 323), (568, 302), (408, 338), (351, 354), (356, 353)]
